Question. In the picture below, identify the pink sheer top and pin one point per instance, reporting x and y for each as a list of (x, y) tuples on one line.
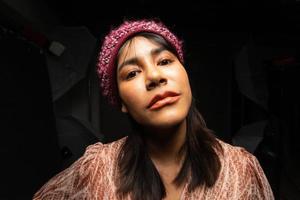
[(92, 177)]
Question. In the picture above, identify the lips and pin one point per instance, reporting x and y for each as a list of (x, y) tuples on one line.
[(163, 99)]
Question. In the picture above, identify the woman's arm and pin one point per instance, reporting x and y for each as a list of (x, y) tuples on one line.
[(73, 182), (257, 185)]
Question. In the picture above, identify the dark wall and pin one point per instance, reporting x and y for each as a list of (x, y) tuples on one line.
[(29, 147)]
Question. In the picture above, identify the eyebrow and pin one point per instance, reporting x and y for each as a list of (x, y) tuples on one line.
[(134, 60)]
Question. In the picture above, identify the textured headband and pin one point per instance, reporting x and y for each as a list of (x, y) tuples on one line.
[(114, 41)]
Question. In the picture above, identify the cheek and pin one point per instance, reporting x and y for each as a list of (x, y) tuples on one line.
[(180, 76), (131, 93), (184, 84), (183, 75)]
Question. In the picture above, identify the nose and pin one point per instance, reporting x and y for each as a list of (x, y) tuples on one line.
[(155, 78)]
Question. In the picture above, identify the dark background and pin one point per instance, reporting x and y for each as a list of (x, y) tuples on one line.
[(242, 58)]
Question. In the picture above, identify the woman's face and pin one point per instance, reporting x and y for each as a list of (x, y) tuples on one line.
[(153, 85)]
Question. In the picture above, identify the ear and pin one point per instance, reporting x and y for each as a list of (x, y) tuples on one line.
[(124, 108)]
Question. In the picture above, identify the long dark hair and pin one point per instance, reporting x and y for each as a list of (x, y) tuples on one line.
[(138, 176)]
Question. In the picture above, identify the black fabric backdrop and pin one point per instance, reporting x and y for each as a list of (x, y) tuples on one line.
[(28, 146)]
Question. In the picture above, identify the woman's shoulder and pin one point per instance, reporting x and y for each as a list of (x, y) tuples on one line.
[(101, 153), (235, 152), (84, 176), (242, 171), (101, 150), (237, 160)]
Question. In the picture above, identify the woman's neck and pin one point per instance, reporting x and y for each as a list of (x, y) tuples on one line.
[(164, 145)]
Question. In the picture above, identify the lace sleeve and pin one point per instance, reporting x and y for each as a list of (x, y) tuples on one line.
[(73, 182), (257, 185)]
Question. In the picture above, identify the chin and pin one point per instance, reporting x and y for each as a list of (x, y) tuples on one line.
[(167, 119)]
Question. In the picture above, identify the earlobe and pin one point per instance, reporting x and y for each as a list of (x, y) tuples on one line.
[(124, 109)]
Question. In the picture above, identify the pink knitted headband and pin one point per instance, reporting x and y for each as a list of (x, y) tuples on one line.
[(114, 41)]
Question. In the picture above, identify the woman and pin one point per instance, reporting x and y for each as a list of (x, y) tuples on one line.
[(170, 153)]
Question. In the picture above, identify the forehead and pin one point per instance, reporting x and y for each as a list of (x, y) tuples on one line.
[(137, 45)]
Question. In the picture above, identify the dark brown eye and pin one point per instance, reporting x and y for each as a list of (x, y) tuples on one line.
[(131, 74), (165, 62)]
